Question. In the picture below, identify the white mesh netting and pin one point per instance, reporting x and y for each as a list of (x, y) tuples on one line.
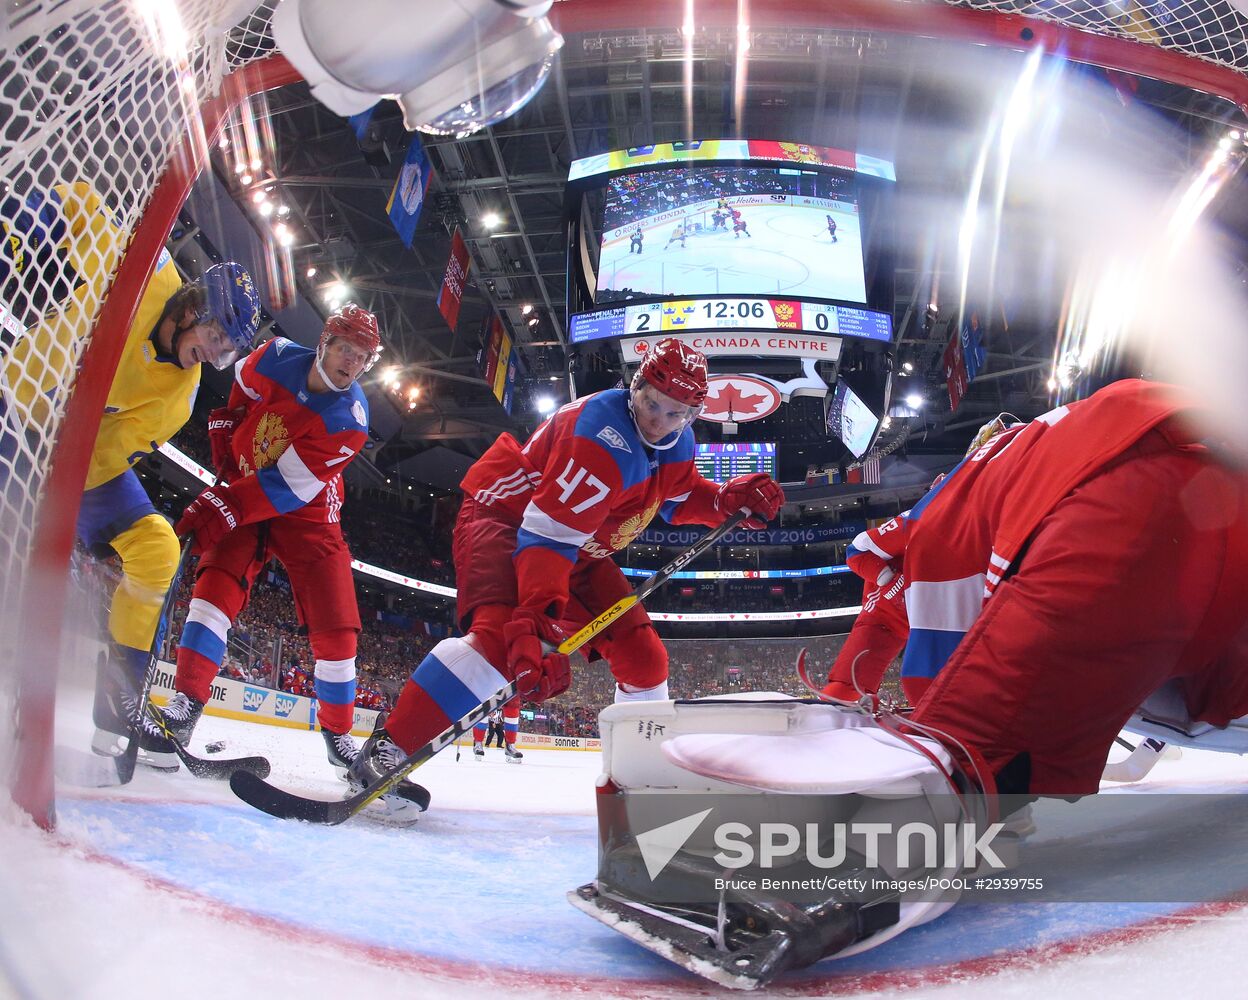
[(1213, 30), (95, 101)]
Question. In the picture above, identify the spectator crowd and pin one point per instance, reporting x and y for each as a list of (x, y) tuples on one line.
[(633, 198), (411, 535)]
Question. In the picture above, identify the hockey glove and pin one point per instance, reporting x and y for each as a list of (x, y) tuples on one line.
[(222, 423), (757, 491), (538, 674), (209, 518)]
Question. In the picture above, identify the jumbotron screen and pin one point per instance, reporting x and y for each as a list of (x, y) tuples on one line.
[(850, 419), (720, 462), (732, 230)]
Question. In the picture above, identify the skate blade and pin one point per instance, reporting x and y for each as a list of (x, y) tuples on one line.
[(390, 810), (108, 745), (684, 943)]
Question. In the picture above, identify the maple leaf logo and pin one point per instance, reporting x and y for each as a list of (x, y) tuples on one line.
[(739, 397)]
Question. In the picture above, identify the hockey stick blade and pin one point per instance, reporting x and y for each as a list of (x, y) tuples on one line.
[(259, 794), (214, 770), (803, 675), (287, 805)]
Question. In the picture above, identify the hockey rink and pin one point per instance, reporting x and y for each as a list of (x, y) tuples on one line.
[(172, 878), (788, 252)]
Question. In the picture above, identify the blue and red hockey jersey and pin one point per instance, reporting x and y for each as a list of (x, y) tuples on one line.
[(584, 486), (293, 445)]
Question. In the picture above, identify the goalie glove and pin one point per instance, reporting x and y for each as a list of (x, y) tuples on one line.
[(757, 491)]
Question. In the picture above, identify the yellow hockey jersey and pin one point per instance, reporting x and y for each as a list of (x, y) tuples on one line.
[(149, 400)]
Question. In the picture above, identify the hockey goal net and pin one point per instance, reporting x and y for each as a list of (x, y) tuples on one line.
[(108, 110), (117, 102)]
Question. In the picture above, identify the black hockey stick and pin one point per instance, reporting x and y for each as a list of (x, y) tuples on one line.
[(286, 805), (200, 768), (216, 770)]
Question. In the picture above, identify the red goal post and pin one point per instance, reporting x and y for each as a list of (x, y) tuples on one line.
[(123, 98)]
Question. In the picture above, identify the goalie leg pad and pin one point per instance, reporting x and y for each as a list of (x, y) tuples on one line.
[(858, 773)]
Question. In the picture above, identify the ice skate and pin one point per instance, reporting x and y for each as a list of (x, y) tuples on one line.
[(115, 706), (373, 763), (341, 750), (176, 723)]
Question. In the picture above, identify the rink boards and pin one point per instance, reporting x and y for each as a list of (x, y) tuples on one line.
[(232, 699)]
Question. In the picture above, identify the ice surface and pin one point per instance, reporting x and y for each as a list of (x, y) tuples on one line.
[(173, 877)]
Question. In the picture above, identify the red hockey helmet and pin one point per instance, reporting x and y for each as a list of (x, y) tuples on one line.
[(676, 370), (358, 327)]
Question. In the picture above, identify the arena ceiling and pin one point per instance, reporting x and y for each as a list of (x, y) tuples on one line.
[(626, 85)]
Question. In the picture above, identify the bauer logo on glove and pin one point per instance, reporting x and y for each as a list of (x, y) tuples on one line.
[(209, 518)]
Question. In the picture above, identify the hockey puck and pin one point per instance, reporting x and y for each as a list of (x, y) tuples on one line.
[(215, 747)]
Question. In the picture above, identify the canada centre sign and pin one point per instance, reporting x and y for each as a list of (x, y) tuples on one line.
[(738, 344)]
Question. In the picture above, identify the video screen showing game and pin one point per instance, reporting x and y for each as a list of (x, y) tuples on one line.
[(850, 419), (732, 230)]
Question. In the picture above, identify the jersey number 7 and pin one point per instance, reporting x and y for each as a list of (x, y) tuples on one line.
[(572, 477)]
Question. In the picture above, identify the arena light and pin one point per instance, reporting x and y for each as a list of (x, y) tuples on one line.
[(914, 400), (491, 220), (311, 271), (526, 308), (545, 405)]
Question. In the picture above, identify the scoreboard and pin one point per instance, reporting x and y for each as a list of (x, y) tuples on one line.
[(722, 313), (721, 462)]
